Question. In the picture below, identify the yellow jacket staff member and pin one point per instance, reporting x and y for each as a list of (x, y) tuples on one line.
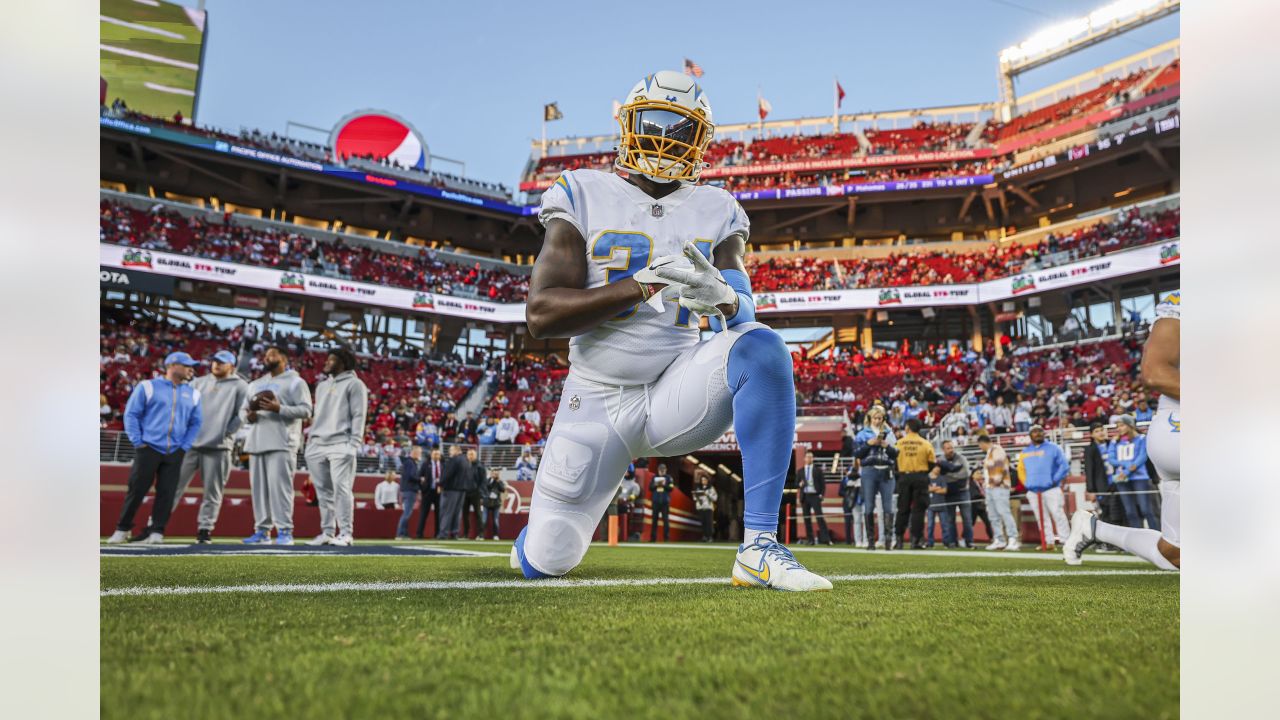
[(916, 459), (915, 454)]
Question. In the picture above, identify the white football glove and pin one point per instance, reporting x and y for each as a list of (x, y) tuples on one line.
[(701, 289), (649, 276)]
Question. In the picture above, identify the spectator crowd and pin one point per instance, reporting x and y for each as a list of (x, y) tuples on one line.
[(939, 267), (220, 237)]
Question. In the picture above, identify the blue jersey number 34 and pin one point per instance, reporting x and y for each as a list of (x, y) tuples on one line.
[(627, 252)]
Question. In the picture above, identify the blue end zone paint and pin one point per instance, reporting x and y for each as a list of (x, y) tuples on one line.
[(172, 550)]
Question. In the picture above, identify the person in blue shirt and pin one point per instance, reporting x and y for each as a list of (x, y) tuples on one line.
[(1043, 466), (1143, 413), (1127, 456), (875, 448), (161, 420)]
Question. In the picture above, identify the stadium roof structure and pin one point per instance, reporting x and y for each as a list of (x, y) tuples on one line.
[(1071, 36)]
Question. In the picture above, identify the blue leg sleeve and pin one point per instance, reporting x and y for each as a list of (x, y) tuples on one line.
[(764, 419)]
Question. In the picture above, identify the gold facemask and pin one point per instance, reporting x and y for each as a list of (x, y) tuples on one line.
[(662, 139)]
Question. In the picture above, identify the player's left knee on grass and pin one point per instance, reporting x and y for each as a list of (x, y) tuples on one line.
[(557, 541), (1171, 552), (760, 354)]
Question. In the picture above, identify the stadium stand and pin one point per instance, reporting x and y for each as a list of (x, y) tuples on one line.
[(219, 236), (921, 137), (315, 152), (1132, 228)]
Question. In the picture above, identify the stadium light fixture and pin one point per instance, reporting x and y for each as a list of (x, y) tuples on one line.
[(1063, 33)]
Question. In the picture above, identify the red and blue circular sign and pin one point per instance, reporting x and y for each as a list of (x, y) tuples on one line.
[(379, 135)]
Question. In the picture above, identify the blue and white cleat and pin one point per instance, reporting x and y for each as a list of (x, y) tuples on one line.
[(1084, 533), (767, 563), (259, 537), (519, 562), (284, 537)]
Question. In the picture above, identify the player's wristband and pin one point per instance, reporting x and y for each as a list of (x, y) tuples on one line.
[(741, 285), (648, 290)]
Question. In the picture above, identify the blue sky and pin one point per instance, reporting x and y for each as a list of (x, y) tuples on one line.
[(473, 76)]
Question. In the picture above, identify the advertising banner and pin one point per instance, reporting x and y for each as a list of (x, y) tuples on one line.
[(860, 188), (828, 300), (120, 278), (1150, 257), (918, 158), (135, 261), (296, 283)]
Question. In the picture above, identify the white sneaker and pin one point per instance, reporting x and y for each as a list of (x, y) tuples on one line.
[(515, 559), (154, 538), (480, 538), (996, 545), (1083, 526), (767, 563), (118, 537), (1013, 545), (321, 539), (343, 541), (495, 537)]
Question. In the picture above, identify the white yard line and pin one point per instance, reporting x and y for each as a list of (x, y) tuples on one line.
[(168, 89), (560, 583), (948, 554), (148, 56), (142, 28)]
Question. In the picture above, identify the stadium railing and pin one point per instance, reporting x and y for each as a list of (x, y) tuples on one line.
[(114, 447)]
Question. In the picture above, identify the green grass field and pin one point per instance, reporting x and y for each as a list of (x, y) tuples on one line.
[(1070, 644)]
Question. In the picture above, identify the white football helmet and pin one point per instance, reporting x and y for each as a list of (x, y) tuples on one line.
[(665, 126)]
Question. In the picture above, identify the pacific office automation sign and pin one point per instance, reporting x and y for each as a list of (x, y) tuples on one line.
[(1150, 257), (304, 284)]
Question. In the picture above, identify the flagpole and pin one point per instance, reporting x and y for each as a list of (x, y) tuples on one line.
[(835, 104), (758, 113), (544, 132)]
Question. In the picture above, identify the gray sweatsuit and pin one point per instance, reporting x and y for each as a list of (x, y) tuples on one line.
[(337, 432), (211, 452), (272, 445)]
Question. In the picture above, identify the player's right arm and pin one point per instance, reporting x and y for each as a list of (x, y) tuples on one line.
[(1161, 358), (559, 305)]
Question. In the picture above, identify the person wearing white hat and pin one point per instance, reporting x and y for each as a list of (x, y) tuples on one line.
[(222, 392)]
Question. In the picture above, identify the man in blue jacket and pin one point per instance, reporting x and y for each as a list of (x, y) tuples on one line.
[(161, 419), (1043, 466)]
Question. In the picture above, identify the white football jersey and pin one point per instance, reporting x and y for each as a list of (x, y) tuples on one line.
[(1169, 308), (625, 229)]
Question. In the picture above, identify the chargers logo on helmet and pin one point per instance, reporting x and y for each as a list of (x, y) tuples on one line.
[(381, 136), (665, 127)]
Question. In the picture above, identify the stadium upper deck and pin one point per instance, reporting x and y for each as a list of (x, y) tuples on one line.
[(934, 144)]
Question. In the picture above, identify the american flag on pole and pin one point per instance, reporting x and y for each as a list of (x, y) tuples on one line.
[(765, 107), (692, 68)]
